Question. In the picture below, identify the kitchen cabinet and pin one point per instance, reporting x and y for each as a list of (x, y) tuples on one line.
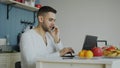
[(8, 60)]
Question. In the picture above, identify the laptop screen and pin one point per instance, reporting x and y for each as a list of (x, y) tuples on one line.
[(90, 42)]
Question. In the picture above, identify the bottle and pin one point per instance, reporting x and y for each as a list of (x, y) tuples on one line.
[(7, 40), (33, 3)]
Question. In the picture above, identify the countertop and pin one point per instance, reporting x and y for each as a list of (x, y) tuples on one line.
[(94, 60)]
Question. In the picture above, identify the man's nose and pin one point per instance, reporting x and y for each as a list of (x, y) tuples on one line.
[(53, 22)]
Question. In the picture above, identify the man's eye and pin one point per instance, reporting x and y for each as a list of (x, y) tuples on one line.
[(51, 20)]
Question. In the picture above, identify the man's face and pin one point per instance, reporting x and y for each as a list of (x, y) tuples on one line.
[(48, 21)]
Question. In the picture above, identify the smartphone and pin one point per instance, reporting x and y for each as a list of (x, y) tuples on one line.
[(53, 28)]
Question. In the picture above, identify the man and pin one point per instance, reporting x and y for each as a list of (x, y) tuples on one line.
[(43, 40)]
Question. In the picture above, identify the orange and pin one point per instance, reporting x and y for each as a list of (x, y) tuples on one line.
[(82, 53), (85, 54), (89, 54)]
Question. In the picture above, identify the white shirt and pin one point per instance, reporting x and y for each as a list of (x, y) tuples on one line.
[(32, 47)]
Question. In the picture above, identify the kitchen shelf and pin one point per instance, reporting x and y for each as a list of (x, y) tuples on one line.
[(20, 5)]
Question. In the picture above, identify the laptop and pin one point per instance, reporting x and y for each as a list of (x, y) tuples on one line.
[(90, 42)]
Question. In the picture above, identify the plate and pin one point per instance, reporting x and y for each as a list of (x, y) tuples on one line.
[(117, 57), (91, 58)]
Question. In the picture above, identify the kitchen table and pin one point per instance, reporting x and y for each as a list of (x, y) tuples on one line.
[(96, 62)]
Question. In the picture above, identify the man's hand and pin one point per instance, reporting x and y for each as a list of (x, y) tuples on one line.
[(55, 34), (66, 51)]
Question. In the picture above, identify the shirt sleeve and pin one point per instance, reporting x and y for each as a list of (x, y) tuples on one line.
[(27, 51), (52, 55), (58, 47)]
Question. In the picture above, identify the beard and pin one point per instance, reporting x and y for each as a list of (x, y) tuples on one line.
[(45, 28)]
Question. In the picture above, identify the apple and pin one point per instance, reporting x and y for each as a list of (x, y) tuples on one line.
[(97, 51), (111, 48)]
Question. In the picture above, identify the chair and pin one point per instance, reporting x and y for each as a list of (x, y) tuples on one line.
[(18, 64)]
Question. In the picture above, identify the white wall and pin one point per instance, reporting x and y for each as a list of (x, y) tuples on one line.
[(76, 18)]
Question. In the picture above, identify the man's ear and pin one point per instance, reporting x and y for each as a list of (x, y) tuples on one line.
[(40, 18)]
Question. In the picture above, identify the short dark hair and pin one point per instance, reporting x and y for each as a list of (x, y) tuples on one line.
[(45, 9)]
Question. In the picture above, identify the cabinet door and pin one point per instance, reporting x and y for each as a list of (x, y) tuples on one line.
[(54, 65), (4, 60), (85, 65), (15, 57), (4, 65)]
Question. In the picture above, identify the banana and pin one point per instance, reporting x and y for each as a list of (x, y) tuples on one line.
[(105, 52), (112, 54), (118, 51), (118, 55)]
